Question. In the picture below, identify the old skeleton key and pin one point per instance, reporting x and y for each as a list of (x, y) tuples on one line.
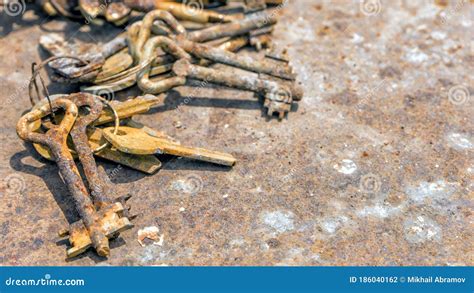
[(80, 139), (95, 227)]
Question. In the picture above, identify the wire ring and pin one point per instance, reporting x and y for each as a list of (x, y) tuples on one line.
[(116, 126), (36, 72)]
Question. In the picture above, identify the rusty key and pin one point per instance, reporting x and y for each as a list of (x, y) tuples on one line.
[(81, 145), (97, 186), (278, 98)]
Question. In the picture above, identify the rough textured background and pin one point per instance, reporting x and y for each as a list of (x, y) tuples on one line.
[(374, 168)]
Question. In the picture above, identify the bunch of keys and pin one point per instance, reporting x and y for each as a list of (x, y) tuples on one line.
[(102, 216)]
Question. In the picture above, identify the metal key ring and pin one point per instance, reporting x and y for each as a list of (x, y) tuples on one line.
[(116, 126)]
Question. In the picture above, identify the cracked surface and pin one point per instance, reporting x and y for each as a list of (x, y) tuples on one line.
[(374, 168)]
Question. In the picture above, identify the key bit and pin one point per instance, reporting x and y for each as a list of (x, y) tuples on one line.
[(110, 221), (136, 141)]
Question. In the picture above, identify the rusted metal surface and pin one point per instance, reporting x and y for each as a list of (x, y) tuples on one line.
[(377, 109)]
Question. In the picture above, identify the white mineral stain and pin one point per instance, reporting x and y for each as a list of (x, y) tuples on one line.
[(379, 211), (421, 229), (415, 56), (237, 242), (357, 39), (437, 190), (302, 30), (181, 185), (438, 35), (346, 166), (459, 141), (333, 224), (280, 221)]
